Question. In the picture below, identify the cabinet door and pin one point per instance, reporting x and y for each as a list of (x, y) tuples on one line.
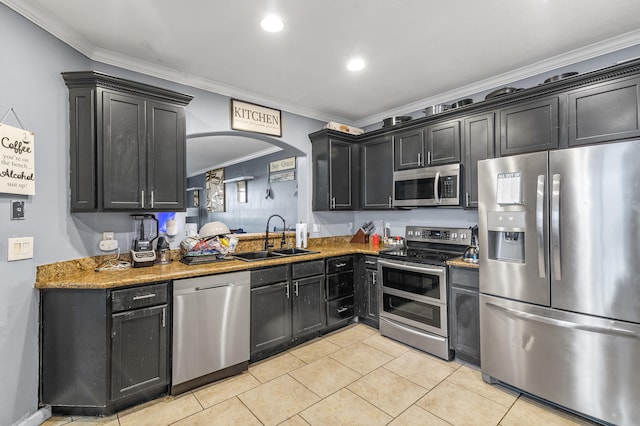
[(124, 152), (528, 127), (408, 149), (478, 145), (308, 305), (444, 143), (83, 150), (465, 324), (341, 175), (377, 173), (138, 350), (166, 176), (372, 295), (270, 316), (607, 112)]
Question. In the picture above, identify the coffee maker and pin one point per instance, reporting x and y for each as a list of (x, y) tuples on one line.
[(146, 230)]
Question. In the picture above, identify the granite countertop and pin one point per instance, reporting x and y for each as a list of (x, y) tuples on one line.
[(458, 262), (81, 274)]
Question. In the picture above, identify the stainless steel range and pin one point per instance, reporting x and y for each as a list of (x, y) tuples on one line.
[(413, 298)]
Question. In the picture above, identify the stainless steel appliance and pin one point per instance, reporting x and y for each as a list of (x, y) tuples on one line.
[(146, 230), (211, 329), (560, 293), (413, 294), (427, 186)]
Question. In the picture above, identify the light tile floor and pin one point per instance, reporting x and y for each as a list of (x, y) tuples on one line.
[(353, 376)]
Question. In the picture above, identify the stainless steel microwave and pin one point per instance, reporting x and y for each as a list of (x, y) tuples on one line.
[(427, 186)]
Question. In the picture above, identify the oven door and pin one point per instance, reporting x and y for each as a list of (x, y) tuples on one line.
[(415, 311), (425, 281)]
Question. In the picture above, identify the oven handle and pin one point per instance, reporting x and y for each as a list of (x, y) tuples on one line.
[(405, 267)]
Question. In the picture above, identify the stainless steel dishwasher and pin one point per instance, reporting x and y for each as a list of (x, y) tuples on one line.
[(210, 329)]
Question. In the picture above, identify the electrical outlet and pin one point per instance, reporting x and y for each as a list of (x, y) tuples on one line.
[(108, 245), (108, 236)]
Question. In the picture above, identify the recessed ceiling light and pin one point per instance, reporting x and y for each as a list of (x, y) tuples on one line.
[(272, 23), (356, 64)]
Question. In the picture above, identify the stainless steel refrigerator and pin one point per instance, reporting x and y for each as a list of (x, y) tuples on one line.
[(559, 237)]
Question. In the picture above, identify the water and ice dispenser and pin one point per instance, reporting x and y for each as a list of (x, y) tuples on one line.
[(506, 236)]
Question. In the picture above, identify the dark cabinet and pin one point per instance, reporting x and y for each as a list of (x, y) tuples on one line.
[(335, 172), (367, 291), (443, 142), (340, 291), (529, 126), (287, 305), (127, 144), (107, 353), (377, 173), (138, 350), (409, 149), (478, 144), (464, 315), (606, 112)]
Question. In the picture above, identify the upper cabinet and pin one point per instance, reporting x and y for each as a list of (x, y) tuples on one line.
[(335, 172), (605, 112), (377, 173), (127, 145), (427, 146), (529, 126), (478, 145)]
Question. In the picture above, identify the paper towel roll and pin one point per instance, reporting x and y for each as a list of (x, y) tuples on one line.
[(301, 235)]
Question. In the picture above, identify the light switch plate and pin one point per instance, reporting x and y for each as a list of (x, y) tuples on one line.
[(20, 248)]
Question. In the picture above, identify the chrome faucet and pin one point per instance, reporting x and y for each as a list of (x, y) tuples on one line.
[(283, 242)]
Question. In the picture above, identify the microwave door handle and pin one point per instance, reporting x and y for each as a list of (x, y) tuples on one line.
[(555, 227), (436, 188), (542, 270)]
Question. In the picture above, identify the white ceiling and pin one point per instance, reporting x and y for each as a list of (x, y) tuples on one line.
[(418, 52)]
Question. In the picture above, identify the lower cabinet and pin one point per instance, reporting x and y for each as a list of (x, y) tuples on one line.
[(287, 305), (464, 315), (340, 292), (108, 352), (367, 291)]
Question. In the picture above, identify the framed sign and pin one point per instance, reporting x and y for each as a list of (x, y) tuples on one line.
[(284, 164), (17, 154), (255, 118)]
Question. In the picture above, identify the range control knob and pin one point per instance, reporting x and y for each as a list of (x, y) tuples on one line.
[(463, 236), (454, 236)]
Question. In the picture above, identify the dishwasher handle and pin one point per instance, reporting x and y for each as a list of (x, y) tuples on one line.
[(209, 287)]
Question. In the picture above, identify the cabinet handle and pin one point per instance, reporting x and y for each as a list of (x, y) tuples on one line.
[(390, 201), (287, 292), (370, 262), (146, 296), (341, 265), (164, 314), (142, 197), (419, 159), (467, 197), (333, 202), (341, 310), (428, 157), (374, 278), (295, 288), (151, 199)]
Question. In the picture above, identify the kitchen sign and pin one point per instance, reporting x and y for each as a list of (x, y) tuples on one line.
[(17, 171), (255, 118)]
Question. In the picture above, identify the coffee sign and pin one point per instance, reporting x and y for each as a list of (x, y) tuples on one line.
[(17, 171)]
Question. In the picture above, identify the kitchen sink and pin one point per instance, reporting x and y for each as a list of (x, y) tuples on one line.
[(250, 256), (293, 251)]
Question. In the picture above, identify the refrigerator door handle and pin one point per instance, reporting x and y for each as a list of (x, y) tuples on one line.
[(555, 227), (542, 270), (613, 331)]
